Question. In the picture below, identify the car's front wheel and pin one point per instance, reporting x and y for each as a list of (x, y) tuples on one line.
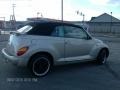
[(41, 65), (102, 56)]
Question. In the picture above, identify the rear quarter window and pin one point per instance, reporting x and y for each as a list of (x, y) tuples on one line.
[(43, 29)]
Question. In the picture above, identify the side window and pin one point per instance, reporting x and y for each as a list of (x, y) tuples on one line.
[(74, 32), (44, 30), (58, 31)]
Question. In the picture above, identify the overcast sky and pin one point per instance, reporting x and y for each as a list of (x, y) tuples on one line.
[(52, 8)]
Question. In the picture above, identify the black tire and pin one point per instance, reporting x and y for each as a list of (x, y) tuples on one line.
[(102, 57), (40, 65)]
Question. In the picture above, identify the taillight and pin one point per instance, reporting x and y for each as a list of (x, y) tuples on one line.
[(22, 51)]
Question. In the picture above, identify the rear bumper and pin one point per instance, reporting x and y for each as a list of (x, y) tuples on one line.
[(13, 59)]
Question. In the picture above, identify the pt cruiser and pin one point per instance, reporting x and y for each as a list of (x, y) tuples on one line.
[(41, 45)]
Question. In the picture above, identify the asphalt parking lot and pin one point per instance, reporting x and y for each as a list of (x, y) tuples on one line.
[(82, 76)]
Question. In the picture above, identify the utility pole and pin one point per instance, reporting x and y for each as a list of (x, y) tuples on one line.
[(111, 23), (13, 10), (83, 18), (12, 17), (62, 10), (13, 14)]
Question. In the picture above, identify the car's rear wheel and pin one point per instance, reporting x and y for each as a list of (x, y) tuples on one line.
[(102, 56), (41, 65)]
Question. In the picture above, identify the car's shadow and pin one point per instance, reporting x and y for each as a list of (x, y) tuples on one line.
[(74, 66), (64, 71), (23, 72)]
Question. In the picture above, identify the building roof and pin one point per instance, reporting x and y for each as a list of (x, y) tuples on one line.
[(104, 18)]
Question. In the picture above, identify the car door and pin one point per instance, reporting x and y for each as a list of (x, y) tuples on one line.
[(77, 43), (59, 42)]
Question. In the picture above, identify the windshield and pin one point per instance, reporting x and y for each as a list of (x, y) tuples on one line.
[(24, 29)]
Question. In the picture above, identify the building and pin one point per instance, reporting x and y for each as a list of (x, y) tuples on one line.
[(104, 23), (17, 25), (2, 24)]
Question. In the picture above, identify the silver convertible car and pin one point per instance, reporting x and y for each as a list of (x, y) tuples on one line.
[(41, 45)]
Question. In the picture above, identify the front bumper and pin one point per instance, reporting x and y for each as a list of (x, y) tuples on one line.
[(13, 59)]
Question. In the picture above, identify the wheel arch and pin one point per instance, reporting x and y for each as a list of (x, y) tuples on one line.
[(97, 49), (105, 49)]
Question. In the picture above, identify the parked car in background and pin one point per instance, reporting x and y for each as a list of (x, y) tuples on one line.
[(41, 45)]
